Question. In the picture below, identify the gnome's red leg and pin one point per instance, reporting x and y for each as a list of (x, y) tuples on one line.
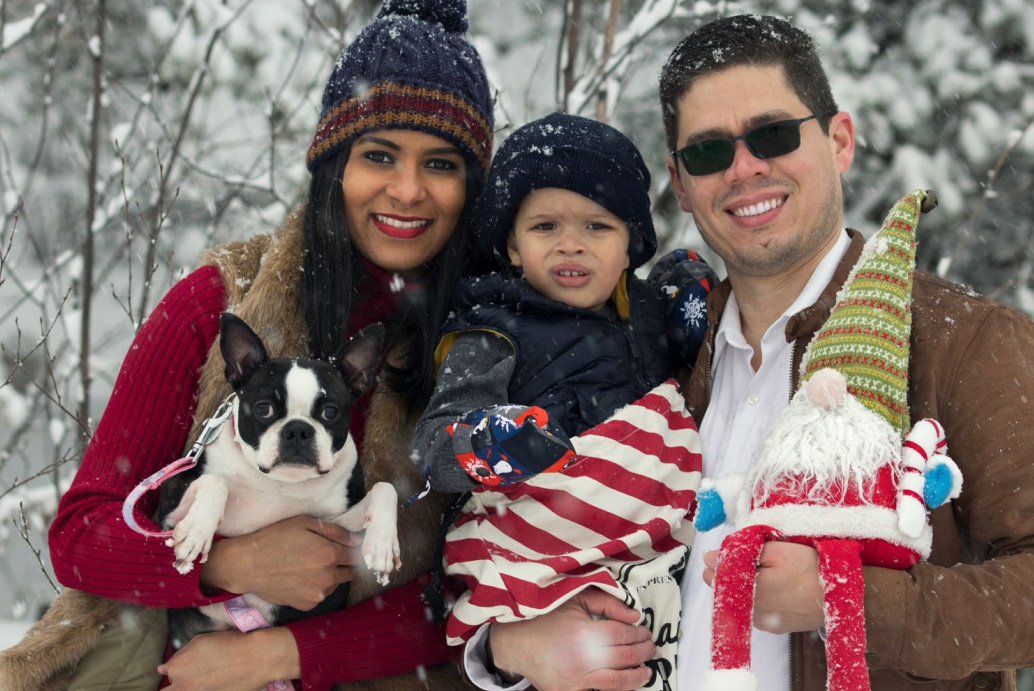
[(734, 596), (840, 571)]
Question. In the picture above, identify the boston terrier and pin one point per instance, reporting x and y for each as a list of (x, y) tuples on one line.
[(284, 451)]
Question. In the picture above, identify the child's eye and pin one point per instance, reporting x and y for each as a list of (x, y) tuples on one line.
[(441, 164), (545, 225), (377, 156), (598, 226)]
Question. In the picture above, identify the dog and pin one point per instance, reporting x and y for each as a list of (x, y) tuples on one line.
[(284, 451)]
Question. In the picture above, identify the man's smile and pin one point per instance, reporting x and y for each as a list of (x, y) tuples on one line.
[(758, 208)]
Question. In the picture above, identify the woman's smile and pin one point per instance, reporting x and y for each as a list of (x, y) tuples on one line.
[(401, 227)]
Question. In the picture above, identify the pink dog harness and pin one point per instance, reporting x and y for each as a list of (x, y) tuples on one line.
[(247, 618)]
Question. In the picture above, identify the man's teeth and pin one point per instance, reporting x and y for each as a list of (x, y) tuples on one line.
[(402, 225), (571, 273), (757, 209)]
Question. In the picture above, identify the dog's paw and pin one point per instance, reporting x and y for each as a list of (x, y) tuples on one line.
[(381, 551), (190, 540), (192, 536)]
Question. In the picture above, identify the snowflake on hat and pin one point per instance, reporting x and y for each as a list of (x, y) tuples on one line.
[(839, 470)]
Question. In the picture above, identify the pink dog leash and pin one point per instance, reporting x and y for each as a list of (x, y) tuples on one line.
[(208, 434), (246, 617)]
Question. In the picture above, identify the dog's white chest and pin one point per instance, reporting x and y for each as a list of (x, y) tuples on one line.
[(248, 509)]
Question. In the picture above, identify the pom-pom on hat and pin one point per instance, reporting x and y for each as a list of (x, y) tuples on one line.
[(412, 68), (866, 337), (571, 153)]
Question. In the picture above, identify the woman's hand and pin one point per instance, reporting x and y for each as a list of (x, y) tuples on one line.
[(296, 562), (571, 649), (233, 661)]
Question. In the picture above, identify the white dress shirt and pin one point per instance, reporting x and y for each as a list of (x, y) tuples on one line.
[(743, 405)]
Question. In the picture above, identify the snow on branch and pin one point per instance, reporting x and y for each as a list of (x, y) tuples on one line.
[(964, 238), (614, 68), (15, 32)]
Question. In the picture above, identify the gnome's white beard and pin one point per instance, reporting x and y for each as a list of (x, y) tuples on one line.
[(812, 452)]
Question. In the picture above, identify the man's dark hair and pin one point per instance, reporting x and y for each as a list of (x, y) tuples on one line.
[(747, 39)]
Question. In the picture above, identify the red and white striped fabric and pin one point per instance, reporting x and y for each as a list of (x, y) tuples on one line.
[(524, 549)]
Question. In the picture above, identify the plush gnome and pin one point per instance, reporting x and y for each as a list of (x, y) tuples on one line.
[(839, 470)]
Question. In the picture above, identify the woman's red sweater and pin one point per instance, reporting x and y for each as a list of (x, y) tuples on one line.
[(144, 427)]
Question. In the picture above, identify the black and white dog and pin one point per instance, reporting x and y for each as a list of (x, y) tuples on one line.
[(284, 451)]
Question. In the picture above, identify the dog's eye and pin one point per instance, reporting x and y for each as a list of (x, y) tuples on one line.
[(263, 410), (329, 413)]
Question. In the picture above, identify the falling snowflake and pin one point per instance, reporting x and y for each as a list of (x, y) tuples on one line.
[(694, 311)]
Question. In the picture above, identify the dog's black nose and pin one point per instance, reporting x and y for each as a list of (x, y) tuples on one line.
[(296, 431)]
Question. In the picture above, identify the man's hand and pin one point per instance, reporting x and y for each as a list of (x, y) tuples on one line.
[(571, 649), (296, 562), (788, 597), (233, 661)]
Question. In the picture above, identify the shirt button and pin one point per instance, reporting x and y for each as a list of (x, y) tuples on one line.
[(753, 399)]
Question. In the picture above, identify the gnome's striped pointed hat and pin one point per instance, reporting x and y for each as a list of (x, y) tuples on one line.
[(867, 333)]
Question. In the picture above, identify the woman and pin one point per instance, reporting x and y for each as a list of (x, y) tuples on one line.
[(397, 161)]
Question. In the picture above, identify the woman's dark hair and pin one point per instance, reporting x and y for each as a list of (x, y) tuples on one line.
[(331, 271), (749, 39)]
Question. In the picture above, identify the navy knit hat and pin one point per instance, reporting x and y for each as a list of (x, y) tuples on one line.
[(413, 69), (572, 153)]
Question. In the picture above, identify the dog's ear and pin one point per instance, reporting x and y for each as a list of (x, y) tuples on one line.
[(359, 357), (242, 350)]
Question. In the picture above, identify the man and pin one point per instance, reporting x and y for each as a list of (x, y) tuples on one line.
[(770, 205)]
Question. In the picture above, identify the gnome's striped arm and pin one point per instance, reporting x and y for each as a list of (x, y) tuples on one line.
[(928, 477)]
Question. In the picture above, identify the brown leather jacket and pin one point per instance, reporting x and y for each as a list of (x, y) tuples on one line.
[(966, 617)]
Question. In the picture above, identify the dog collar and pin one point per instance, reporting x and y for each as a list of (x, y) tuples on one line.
[(209, 432)]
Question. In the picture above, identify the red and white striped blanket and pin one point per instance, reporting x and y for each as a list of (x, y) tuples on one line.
[(615, 519)]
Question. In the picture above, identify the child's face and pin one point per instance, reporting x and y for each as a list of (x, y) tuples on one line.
[(572, 249)]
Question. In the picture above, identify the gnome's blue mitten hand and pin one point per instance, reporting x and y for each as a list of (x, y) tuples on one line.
[(710, 511), (686, 280), (503, 445), (938, 484)]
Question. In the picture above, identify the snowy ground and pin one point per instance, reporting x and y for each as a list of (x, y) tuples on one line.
[(11, 632)]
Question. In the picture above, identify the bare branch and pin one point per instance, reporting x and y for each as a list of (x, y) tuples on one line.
[(342, 10), (608, 45), (44, 117), (23, 531), (160, 212), (51, 468), (964, 238), (53, 395), (96, 44), (6, 251), (650, 16), (573, 23)]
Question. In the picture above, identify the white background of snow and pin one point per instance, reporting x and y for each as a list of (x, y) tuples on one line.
[(11, 632)]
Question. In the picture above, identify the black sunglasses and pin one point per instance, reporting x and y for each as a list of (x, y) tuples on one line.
[(767, 141)]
